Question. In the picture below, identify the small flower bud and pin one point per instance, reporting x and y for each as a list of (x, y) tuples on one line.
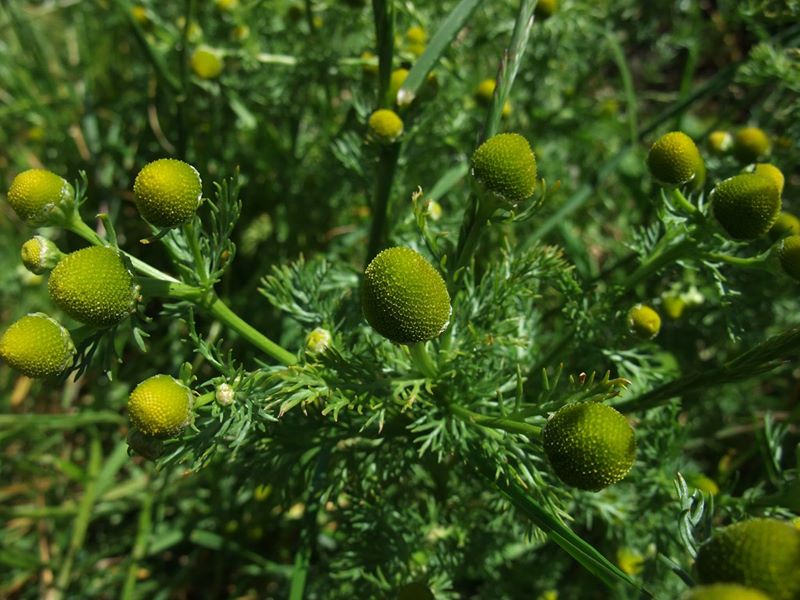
[(750, 144), (720, 142), (644, 322), (485, 92), (674, 160), (168, 192), (40, 255), (36, 193), (505, 166), (318, 341), (160, 406), (385, 125), (789, 255), (207, 62), (37, 346), (224, 394)]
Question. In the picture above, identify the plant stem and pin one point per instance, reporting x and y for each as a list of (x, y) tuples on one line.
[(509, 425), (384, 42), (210, 302), (387, 165), (77, 226), (422, 360), (475, 220), (221, 311), (183, 70), (677, 196)]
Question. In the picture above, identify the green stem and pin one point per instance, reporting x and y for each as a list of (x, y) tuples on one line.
[(475, 221), (422, 360), (190, 234), (218, 309), (77, 226), (678, 198), (183, 70), (384, 41), (509, 425), (656, 262), (387, 165), (221, 311), (204, 399), (752, 262)]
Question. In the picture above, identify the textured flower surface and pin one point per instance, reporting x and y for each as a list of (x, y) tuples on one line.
[(168, 192), (674, 159), (404, 298), (758, 553), (35, 192), (160, 407), (93, 286), (746, 205), (589, 445), (506, 166), (37, 346)]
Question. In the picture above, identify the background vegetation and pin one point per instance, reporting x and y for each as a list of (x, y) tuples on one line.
[(347, 476)]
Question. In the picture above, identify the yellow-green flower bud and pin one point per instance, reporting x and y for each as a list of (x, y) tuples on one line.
[(785, 224), (673, 306), (94, 286), (723, 591), (224, 394), (485, 92), (144, 445), (36, 193), (703, 482), (207, 62), (416, 35), (789, 256), (404, 298), (40, 255), (167, 192), (589, 445), (160, 406), (318, 341), (758, 553), (545, 9), (772, 173), (644, 322), (746, 205), (720, 142), (398, 78), (37, 346), (674, 159), (505, 167), (385, 125), (750, 144)]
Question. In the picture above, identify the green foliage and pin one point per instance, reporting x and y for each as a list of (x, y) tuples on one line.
[(345, 465)]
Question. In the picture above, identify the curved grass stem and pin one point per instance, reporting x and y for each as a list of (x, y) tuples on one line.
[(509, 425)]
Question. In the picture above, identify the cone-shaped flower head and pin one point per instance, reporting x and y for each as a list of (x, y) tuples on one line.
[(750, 144), (789, 255), (37, 346), (644, 322), (404, 298), (207, 63), (504, 165), (771, 172), (160, 406), (589, 445), (385, 125), (545, 9), (785, 224), (40, 255), (758, 553), (167, 192), (35, 193), (94, 286), (746, 205), (674, 159), (724, 591)]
